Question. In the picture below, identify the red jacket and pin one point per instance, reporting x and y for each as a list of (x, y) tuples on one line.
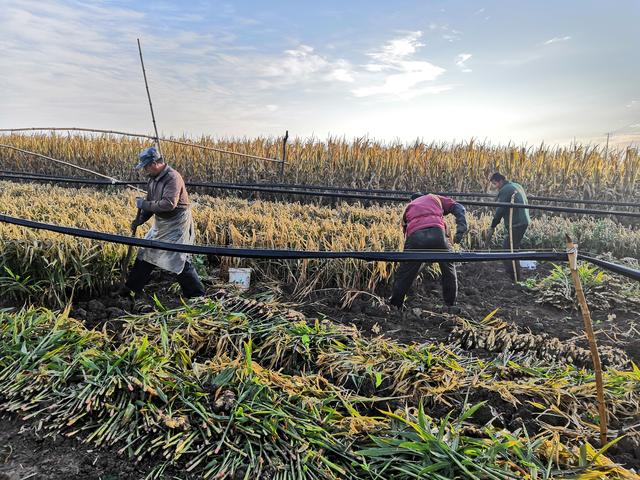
[(427, 211)]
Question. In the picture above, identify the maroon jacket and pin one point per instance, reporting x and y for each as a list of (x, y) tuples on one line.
[(428, 211)]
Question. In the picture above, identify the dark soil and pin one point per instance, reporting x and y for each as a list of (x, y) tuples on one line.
[(482, 288), (26, 454)]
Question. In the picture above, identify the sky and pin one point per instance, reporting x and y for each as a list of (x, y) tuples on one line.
[(497, 71)]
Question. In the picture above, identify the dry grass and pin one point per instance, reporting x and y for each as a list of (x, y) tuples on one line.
[(578, 170), (64, 263)]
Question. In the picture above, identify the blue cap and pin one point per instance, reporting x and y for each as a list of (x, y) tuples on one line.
[(147, 156)]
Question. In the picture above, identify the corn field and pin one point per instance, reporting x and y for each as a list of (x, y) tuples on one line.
[(578, 171), (40, 264)]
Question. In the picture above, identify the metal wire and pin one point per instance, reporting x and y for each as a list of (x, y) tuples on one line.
[(337, 195), (113, 180), (140, 135)]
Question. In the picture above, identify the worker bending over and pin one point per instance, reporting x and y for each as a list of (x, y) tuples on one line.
[(425, 229)]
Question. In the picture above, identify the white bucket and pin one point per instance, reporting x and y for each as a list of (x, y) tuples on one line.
[(528, 264), (240, 277)]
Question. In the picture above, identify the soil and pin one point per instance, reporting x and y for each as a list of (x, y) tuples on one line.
[(26, 454), (482, 289)]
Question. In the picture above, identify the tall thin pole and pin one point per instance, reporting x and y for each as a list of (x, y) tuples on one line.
[(127, 258), (146, 84), (513, 262), (284, 153), (606, 148), (572, 253)]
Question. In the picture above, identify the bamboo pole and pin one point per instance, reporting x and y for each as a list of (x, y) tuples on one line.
[(572, 253), (513, 262)]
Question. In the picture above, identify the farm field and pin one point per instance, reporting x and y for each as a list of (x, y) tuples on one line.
[(580, 171), (307, 374)]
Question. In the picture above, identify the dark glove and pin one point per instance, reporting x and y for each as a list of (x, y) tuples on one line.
[(139, 201), (136, 223), (459, 237), (489, 236)]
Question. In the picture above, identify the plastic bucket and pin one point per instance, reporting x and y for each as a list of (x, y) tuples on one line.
[(241, 277), (528, 264)]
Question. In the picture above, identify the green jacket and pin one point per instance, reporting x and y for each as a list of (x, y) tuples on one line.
[(520, 215)]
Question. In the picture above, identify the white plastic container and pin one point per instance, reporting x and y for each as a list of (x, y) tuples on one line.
[(241, 277), (528, 264)]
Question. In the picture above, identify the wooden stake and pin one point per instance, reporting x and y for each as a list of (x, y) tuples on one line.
[(124, 266), (284, 154), (513, 262), (572, 253)]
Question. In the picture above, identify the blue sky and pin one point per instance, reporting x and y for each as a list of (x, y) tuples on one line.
[(495, 70)]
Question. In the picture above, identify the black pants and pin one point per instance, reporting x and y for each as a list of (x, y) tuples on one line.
[(518, 234), (188, 279), (426, 239)]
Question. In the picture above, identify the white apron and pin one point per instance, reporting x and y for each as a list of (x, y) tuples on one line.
[(177, 229)]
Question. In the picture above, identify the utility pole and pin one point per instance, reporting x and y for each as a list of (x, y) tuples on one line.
[(606, 148)]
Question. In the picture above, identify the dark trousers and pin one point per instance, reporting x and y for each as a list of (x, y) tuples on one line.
[(188, 279), (518, 234), (425, 239)]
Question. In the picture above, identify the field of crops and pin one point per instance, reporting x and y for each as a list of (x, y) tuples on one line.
[(234, 388), (578, 171), (277, 382), (54, 263)]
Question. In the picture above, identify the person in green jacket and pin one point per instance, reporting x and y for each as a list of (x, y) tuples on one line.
[(519, 218)]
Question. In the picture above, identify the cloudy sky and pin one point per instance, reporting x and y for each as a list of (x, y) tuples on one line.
[(496, 70)]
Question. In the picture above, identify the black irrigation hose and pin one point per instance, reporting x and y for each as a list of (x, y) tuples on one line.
[(262, 253), (613, 267), (448, 194), (364, 190), (352, 196)]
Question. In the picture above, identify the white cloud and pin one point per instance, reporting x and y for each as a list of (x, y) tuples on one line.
[(557, 40), (633, 103), (403, 74), (400, 84), (272, 108), (398, 48), (452, 35), (299, 65), (447, 33), (341, 75), (374, 67), (460, 61)]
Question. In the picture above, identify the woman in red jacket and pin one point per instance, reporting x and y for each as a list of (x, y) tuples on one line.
[(424, 228)]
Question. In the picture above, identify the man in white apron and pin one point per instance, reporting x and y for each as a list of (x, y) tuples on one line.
[(168, 200)]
